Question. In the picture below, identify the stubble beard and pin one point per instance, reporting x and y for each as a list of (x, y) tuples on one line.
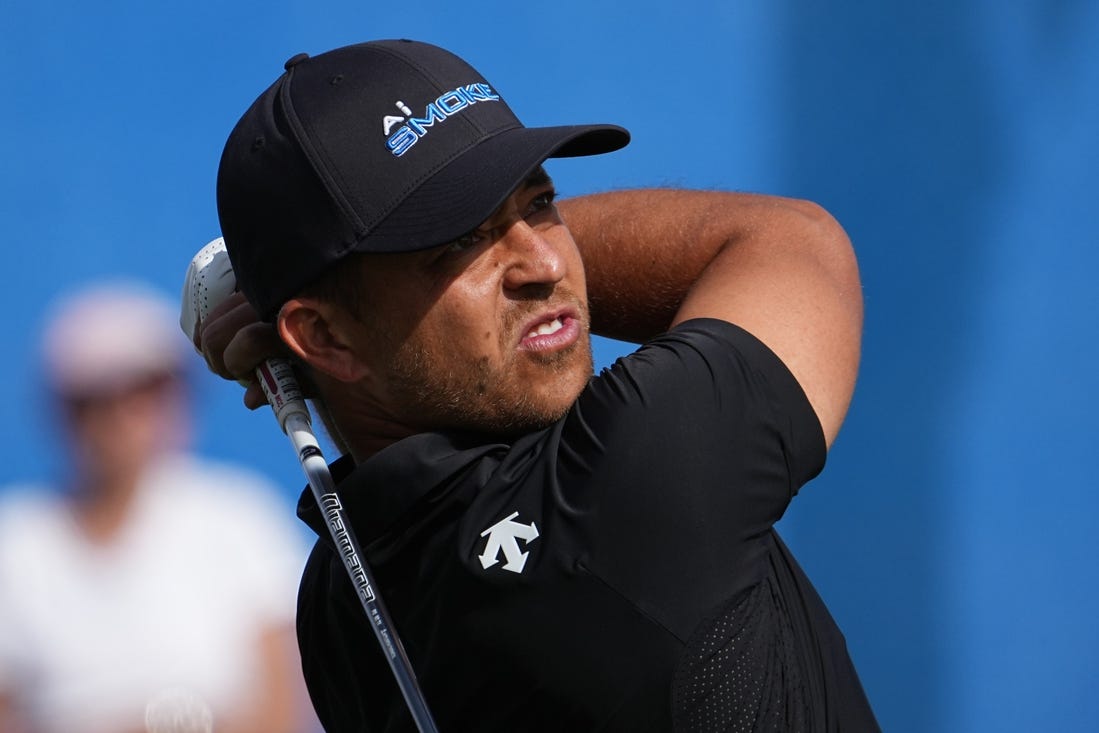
[(439, 393)]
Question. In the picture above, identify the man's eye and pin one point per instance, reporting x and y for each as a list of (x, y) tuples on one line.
[(463, 243), (543, 200)]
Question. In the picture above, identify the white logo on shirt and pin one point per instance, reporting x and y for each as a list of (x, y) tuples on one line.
[(503, 537)]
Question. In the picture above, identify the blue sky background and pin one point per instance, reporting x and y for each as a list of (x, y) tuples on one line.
[(953, 532)]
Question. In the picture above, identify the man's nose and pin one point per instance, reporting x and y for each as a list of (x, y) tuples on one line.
[(532, 258)]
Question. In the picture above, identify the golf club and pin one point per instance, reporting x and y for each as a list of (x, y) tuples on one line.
[(209, 281)]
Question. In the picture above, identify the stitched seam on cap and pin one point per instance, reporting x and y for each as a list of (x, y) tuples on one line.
[(314, 156)]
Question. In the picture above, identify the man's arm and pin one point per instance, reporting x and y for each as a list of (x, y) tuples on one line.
[(782, 269)]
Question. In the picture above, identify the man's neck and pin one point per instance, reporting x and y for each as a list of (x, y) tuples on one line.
[(102, 506), (356, 424)]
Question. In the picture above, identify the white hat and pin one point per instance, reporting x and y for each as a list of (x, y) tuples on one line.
[(110, 336)]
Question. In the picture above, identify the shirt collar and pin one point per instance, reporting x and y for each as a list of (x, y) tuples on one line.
[(377, 492)]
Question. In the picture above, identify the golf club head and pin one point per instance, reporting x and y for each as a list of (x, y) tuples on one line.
[(209, 281)]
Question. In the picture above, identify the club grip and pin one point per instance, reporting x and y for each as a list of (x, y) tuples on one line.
[(276, 377)]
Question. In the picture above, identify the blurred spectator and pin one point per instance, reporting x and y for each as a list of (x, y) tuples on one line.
[(152, 590)]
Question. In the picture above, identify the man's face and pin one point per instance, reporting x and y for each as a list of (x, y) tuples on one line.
[(116, 432), (488, 333)]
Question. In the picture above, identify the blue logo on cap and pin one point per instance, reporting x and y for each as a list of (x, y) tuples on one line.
[(446, 106)]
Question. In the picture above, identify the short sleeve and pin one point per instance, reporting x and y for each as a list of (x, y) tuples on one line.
[(688, 451), (10, 658), (24, 524)]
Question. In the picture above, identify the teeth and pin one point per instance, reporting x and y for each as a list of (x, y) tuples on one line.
[(546, 328)]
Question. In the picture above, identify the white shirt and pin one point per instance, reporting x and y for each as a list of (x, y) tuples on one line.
[(89, 634)]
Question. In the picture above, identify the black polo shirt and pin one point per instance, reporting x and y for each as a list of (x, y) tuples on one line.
[(617, 571)]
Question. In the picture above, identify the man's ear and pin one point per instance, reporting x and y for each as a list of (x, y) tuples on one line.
[(312, 330)]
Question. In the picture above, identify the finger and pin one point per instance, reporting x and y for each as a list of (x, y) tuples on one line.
[(251, 345), (254, 397), (232, 302), (219, 328)]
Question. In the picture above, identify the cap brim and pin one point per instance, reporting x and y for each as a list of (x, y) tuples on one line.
[(465, 192)]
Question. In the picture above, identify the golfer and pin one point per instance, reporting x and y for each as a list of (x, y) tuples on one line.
[(559, 551)]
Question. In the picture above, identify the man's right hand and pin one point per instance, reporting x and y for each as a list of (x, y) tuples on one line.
[(234, 341)]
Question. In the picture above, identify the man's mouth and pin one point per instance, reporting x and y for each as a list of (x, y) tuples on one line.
[(544, 329), (551, 333)]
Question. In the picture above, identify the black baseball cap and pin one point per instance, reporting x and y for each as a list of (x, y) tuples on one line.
[(386, 146)]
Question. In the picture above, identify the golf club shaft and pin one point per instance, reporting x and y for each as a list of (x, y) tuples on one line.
[(316, 470), (209, 281)]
